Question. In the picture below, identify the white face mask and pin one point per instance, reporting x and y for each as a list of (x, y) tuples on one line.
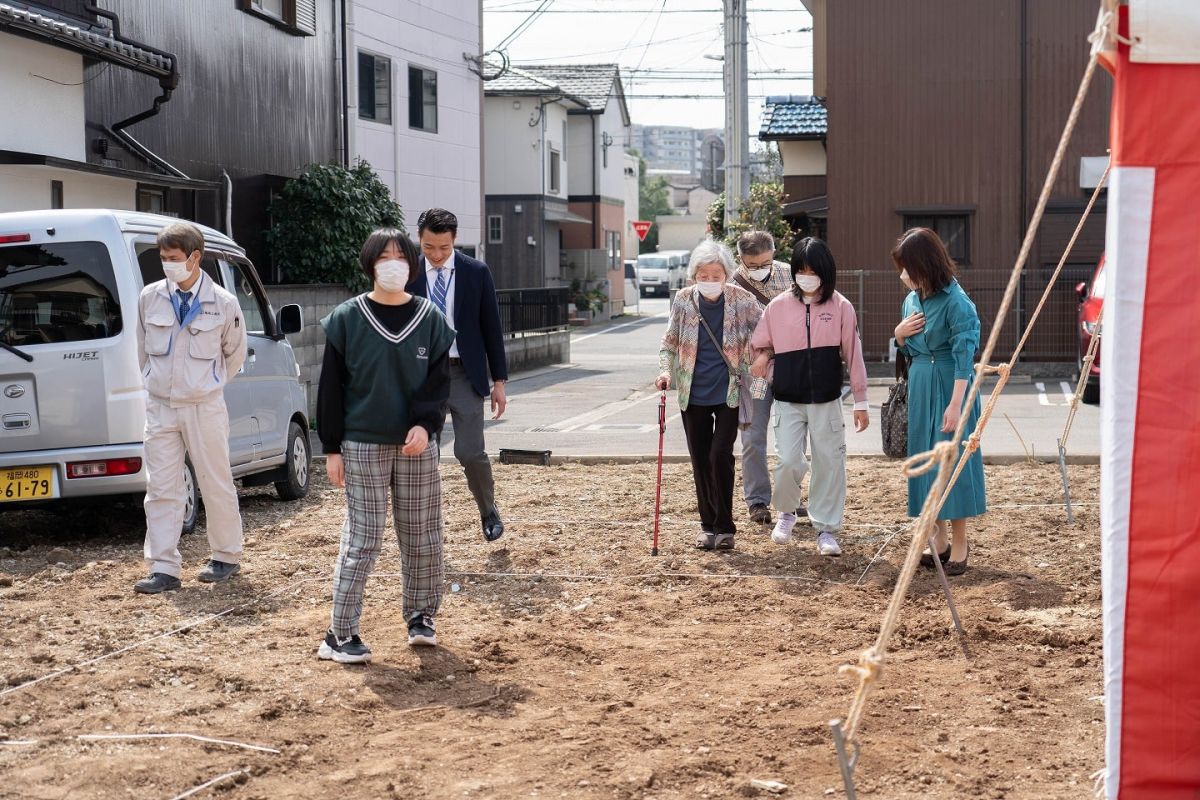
[(907, 281), (710, 289), (808, 283), (391, 275), (176, 271), (759, 275)]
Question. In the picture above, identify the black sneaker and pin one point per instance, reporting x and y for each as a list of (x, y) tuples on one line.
[(801, 511), (218, 571), (760, 514), (420, 631), (344, 651), (156, 583), (493, 527)]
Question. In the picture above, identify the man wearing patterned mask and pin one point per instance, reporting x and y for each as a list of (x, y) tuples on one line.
[(765, 278), (191, 342)]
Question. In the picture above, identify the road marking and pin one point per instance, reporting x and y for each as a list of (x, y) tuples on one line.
[(1068, 391), (625, 427), (595, 415), (617, 328), (1042, 398)]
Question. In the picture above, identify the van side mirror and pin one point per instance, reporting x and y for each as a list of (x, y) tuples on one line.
[(1081, 291), (290, 319)]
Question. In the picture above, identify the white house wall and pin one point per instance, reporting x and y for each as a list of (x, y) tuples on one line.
[(27, 188), (424, 169), (632, 202), (802, 158), (514, 161), (42, 94), (611, 179)]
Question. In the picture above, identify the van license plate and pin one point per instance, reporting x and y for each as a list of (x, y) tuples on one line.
[(27, 483)]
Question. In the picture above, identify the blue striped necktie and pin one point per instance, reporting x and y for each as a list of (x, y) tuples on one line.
[(439, 290)]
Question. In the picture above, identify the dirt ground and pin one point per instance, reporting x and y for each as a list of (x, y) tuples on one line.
[(650, 678)]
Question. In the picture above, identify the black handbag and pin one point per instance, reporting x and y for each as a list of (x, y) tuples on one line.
[(893, 414)]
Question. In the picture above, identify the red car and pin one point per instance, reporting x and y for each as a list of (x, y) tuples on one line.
[(1091, 299)]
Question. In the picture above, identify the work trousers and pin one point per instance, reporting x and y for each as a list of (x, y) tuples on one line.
[(710, 432), (202, 432), (756, 478), (821, 424), (372, 470)]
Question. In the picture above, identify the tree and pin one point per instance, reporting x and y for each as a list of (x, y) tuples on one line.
[(654, 200), (762, 211), (322, 219)]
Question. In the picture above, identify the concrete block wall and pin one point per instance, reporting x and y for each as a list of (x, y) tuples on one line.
[(317, 300)]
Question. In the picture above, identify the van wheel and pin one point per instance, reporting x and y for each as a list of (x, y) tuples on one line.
[(296, 485), (191, 498)]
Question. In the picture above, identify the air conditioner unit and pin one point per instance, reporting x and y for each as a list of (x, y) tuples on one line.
[(1091, 169)]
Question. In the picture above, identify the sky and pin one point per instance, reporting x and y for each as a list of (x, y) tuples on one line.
[(668, 37)]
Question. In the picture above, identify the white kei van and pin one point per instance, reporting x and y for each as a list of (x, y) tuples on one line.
[(72, 404)]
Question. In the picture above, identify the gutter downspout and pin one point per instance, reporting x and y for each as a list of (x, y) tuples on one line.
[(228, 203), (166, 83), (345, 91), (1023, 111)]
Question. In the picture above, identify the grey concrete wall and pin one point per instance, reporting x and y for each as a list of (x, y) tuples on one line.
[(317, 300)]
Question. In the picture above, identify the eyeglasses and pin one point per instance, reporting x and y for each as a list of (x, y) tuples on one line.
[(763, 265)]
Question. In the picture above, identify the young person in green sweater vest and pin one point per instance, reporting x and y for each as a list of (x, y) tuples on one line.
[(381, 402)]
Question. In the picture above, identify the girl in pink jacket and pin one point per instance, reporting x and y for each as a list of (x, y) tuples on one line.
[(806, 339)]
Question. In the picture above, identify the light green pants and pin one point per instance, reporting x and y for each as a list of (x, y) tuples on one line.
[(821, 424)]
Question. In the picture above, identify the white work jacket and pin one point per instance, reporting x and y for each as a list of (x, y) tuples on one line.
[(187, 363)]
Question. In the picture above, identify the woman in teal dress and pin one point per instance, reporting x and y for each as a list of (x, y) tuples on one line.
[(940, 333)]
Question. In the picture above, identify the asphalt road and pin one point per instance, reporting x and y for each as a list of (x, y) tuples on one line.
[(603, 404)]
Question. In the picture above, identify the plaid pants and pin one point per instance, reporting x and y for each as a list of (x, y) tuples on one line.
[(416, 485)]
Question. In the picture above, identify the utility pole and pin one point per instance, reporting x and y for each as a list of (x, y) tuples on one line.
[(737, 110)]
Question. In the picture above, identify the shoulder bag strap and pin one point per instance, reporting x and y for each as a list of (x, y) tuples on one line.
[(751, 288), (713, 337)]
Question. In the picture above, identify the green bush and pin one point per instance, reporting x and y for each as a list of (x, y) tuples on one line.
[(762, 211), (322, 219)]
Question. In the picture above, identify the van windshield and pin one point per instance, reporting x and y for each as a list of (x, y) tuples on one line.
[(654, 261), (57, 292)]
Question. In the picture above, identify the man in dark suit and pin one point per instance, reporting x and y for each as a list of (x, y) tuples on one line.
[(462, 288)]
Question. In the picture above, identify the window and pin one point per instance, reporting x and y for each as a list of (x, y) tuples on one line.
[(374, 88), (151, 200), (953, 229), (60, 292), (555, 172), (422, 99), (150, 264), (250, 300), (56, 194), (298, 17), (495, 229)]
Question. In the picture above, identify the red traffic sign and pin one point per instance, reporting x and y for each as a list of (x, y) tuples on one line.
[(641, 227)]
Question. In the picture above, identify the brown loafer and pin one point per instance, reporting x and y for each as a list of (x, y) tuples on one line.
[(927, 558), (958, 567)]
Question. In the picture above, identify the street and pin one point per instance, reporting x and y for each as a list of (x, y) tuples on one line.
[(603, 404)]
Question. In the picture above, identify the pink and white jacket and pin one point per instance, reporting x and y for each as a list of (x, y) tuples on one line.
[(811, 345)]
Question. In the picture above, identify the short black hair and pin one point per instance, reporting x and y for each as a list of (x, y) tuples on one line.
[(815, 254), (378, 241), (437, 220)]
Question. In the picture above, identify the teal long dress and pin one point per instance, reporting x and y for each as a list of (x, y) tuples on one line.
[(942, 353)]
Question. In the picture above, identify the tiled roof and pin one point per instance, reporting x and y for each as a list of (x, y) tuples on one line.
[(594, 83), (793, 117), (101, 45), (515, 80)]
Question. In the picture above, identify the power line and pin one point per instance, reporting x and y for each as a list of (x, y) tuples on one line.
[(642, 11), (653, 31), (525, 24)]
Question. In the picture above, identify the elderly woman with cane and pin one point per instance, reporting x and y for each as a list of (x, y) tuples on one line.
[(706, 355)]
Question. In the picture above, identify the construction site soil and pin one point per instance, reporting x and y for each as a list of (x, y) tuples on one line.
[(570, 663)]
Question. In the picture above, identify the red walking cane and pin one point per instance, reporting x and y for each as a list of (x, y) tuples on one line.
[(662, 431)]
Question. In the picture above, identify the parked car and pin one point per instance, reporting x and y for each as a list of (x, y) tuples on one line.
[(659, 273), (633, 291), (1091, 300), (72, 403)]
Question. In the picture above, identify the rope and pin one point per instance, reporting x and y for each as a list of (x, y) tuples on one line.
[(1085, 369), (870, 662)]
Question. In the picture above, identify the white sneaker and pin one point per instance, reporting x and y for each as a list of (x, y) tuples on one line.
[(783, 528), (827, 544)]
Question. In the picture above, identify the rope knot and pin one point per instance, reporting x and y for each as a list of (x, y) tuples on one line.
[(972, 442), (868, 668), (924, 462)]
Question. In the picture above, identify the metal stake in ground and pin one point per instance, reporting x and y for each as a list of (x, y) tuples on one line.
[(846, 761), (662, 432)]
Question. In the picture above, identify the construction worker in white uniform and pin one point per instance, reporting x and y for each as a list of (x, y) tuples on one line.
[(191, 342)]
